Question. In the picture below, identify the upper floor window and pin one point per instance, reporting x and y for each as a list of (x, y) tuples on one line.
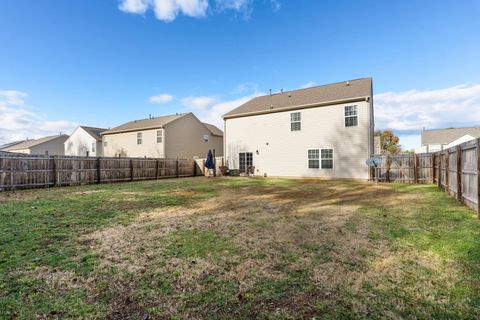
[(94, 146), (205, 137), (139, 138), (159, 136), (105, 142), (295, 121), (351, 116)]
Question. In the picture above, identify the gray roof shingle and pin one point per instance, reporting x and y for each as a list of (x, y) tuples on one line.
[(445, 136), (35, 142), (156, 122), (213, 129), (94, 132), (321, 95)]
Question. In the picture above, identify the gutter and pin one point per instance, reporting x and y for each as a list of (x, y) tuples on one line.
[(303, 106)]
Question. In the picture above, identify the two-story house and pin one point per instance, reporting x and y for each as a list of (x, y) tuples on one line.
[(173, 136), (323, 131)]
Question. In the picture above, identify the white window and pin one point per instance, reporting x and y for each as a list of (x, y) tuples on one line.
[(320, 158), (159, 136), (105, 142), (327, 158), (94, 146), (139, 138), (245, 160), (205, 137), (313, 159), (351, 116), (295, 121)]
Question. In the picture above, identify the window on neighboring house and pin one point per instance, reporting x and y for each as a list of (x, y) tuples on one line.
[(159, 136), (94, 146), (327, 158), (351, 116), (295, 121), (245, 160), (205, 137), (313, 159), (139, 138), (105, 142)]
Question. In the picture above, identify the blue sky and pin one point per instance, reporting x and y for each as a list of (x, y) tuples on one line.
[(104, 62)]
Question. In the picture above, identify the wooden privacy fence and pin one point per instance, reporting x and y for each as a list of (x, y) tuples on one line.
[(23, 172), (456, 170)]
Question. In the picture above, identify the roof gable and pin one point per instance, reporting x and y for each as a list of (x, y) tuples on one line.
[(319, 95), (94, 132), (213, 129)]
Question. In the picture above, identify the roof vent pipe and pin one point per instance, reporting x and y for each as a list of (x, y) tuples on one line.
[(348, 83), (281, 91), (270, 91)]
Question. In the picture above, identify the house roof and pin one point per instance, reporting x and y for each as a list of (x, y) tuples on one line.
[(35, 142), (10, 144), (213, 129), (302, 98), (94, 132), (445, 136), (156, 122)]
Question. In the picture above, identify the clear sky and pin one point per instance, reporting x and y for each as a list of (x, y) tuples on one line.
[(104, 62)]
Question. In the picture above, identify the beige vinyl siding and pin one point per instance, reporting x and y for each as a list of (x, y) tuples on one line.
[(124, 144), (184, 139), (278, 151)]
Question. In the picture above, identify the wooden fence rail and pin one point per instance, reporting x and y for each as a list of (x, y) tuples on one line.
[(24, 172), (455, 170)]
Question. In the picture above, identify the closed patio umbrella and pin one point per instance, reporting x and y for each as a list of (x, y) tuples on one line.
[(209, 161)]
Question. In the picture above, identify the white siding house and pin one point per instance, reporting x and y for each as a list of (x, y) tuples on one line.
[(85, 141), (434, 140), (52, 145), (325, 131)]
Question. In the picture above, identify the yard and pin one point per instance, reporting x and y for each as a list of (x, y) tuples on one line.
[(238, 248)]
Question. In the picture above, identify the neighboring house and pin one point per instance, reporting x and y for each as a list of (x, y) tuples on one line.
[(53, 145), (85, 141), (439, 139), (172, 136), (324, 131), (5, 146)]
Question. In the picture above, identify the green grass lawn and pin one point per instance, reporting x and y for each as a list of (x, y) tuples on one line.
[(238, 248)]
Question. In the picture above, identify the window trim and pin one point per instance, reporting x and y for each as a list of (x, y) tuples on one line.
[(345, 116), (320, 158), (160, 135), (206, 138), (139, 138), (298, 121), (333, 158)]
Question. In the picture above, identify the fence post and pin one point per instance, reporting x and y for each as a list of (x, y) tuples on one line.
[(214, 164), (387, 173), (433, 167), (177, 174), (415, 168), (459, 173), (55, 172), (194, 168), (156, 168), (478, 178), (439, 169), (447, 174), (131, 169), (99, 171), (11, 174)]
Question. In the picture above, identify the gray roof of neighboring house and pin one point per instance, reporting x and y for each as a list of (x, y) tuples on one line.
[(156, 122), (319, 95), (94, 132), (35, 142), (445, 136), (213, 129), (9, 145)]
